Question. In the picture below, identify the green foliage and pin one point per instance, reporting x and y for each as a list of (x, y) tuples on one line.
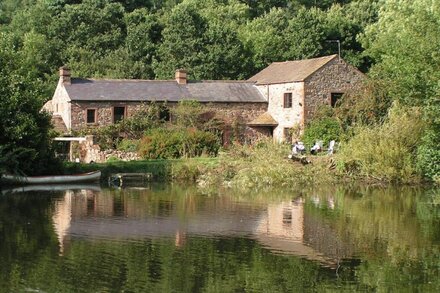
[(162, 143), (128, 145), (131, 128), (24, 129), (367, 106), (213, 39), (325, 129), (183, 33), (405, 43), (187, 113), (428, 155), (264, 165), (386, 152)]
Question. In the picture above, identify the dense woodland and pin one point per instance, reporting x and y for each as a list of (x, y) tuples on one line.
[(396, 42)]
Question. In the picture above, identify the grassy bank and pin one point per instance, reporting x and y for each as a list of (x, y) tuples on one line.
[(266, 165), (175, 169)]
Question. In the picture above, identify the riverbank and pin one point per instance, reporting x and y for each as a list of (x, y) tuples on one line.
[(264, 165), (162, 170)]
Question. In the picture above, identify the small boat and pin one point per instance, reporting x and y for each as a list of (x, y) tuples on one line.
[(52, 187), (54, 179)]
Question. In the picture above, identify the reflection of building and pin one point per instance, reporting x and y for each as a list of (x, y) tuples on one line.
[(282, 227), (62, 218)]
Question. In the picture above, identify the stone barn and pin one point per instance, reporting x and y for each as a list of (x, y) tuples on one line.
[(295, 89), (281, 96)]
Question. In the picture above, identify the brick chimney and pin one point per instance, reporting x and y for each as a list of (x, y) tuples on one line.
[(65, 75), (181, 76)]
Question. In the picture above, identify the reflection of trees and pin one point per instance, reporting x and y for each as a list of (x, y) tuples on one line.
[(26, 233), (158, 266), (395, 231)]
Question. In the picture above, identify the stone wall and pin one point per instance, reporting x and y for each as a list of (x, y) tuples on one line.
[(89, 152), (230, 113), (104, 112), (60, 104), (286, 117), (337, 76)]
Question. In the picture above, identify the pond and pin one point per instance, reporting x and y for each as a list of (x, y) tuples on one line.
[(169, 238)]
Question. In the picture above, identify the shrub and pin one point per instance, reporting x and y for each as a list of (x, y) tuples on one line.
[(388, 151), (265, 165), (367, 106), (187, 113), (325, 129), (428, 155), (128, 145), (162, 143)]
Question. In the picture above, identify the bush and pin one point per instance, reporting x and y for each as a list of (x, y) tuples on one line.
[(128, 145), (265, 165), (162, 143), (325, 129), (386, 152), (428, 155)]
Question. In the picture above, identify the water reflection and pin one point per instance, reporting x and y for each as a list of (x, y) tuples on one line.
[(168, 238), (281, 226)]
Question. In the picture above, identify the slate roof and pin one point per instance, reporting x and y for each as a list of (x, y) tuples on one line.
[(264, 119), (157, 90), (290, 71)]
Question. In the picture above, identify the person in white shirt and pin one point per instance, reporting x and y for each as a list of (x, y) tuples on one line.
[(315, 148)]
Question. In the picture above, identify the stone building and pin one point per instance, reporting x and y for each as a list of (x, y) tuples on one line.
[(281, 96), (295, 89)]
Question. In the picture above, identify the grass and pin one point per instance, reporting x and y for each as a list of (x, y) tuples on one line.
[(266, 166), (178, 169)]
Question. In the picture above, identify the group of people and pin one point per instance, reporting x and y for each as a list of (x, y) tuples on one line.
[(298, 148)]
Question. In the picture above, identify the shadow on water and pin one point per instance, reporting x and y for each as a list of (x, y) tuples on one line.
[(166, 238)]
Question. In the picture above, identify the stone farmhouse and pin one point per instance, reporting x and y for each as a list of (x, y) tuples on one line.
[(280, 97)]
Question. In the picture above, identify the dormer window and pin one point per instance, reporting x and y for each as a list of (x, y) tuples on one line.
[(287, 100)]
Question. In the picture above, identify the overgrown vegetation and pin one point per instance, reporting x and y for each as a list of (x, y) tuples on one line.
[(388, 151), (324, 129), (155, 136), (168, 143), (266, 165)]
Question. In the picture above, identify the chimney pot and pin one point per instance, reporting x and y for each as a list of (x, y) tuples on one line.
[(65, 75), (181, 76)]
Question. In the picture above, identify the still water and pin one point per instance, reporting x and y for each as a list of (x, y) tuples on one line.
[(167, 238)]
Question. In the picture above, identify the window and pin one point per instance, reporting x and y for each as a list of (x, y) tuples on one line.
[(118, 114), (164, 114), (334, 98), (91, 116), (287, 100)]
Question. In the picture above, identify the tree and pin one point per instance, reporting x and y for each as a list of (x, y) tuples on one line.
[(265, 38), (143, 37), (182, 43), (24, 129), (405, 44)]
